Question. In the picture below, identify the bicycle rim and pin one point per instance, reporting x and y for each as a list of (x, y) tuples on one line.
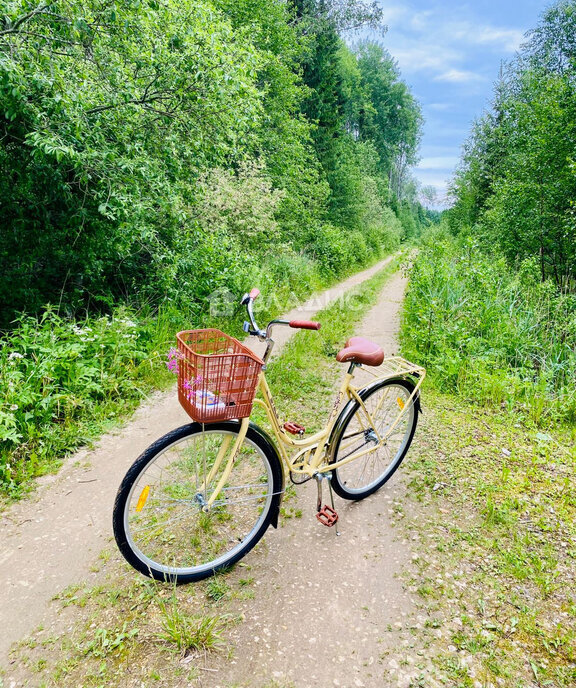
[(168, 524), (361, 433)]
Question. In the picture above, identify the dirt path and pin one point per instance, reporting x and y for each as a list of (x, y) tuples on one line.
[(327, 606), (53, 540)]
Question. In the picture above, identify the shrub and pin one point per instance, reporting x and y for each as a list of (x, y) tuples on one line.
[(330, 247), (59, 376)]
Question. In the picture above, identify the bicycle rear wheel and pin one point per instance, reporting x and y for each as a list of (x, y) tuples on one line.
[(384, 401), (162, 523)]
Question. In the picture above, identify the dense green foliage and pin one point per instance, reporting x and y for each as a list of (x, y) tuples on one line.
[(61, 380), (516, 186), (489, 333), (117, 119)]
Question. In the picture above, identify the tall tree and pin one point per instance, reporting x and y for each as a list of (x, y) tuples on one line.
[(516, 185)]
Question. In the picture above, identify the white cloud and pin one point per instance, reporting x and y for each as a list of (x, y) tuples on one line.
[(431, 178), (421, 20), (423, 57), (392, 13), (438, 42), (507, 39), (459, 76), (503, 39)]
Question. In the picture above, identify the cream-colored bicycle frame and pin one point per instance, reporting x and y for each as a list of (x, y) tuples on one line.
[(311, 455)]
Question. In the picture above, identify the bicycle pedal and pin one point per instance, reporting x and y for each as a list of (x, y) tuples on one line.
[(294, 428), (327, 516)]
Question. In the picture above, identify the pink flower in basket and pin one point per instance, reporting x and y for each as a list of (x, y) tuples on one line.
[(172, 362), (190, 385)]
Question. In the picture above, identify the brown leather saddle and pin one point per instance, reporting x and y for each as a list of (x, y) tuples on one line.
[(360, 350)]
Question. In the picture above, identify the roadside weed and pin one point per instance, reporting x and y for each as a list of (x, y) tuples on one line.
[(217, 588), (104, 641), (188, 632)]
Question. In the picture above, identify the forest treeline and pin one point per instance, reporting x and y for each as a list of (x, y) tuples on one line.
[(516, 186), (156, 150), (491, 308)]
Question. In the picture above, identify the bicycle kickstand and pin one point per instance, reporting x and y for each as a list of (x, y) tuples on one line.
[(327, 515)]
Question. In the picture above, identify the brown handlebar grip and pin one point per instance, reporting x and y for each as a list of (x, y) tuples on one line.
[(305, 324), (254, 294)]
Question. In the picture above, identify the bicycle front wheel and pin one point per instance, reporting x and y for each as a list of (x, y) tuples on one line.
[(359, 434), (163, 523)]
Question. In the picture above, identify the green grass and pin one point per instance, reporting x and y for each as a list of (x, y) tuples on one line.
[(491, 334), (127, 625), (189, 632), (494, 504)]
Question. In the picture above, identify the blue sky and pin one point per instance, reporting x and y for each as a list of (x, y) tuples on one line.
[(450, 53)]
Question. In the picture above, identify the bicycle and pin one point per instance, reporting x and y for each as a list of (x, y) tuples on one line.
[(201, 497)]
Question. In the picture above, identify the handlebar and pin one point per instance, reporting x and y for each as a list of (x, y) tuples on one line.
[(305, 324), (264, 335)]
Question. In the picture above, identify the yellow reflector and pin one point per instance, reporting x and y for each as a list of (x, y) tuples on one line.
[(400, 403), (143, 497)]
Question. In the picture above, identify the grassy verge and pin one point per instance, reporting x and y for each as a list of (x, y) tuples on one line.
[(64, 382), (493, 502), (129, 631), (492, 498), (491, 334)]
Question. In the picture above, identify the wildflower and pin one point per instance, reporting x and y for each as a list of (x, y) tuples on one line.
[(14, 407), (14, 355), (189, 385), (172, 366)]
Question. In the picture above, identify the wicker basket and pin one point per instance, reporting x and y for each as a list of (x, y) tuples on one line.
[(217, 375)]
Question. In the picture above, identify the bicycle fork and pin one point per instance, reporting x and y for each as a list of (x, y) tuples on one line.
[(327, 515), (207, 504)]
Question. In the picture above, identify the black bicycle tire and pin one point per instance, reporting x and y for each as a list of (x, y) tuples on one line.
[(348, 414), (119, 518)]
